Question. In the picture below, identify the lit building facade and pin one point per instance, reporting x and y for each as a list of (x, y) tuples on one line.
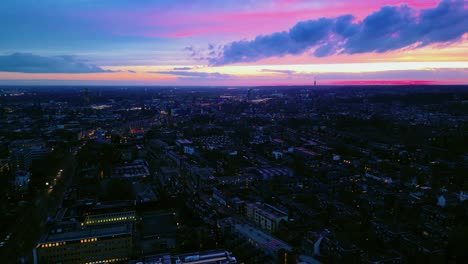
[(91, 245), (109, 218), (110, 213)]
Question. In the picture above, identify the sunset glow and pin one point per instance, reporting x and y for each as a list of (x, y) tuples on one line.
[(234, 43)]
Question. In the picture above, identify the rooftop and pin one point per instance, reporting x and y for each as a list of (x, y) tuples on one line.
[(115, 230), (269, 210), (264, 240)]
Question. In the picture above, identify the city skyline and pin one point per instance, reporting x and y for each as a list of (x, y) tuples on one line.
[(275, 42)]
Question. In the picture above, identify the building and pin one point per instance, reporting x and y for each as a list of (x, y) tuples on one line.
[(89, 245), (110, 213), (268, 244), (25, 143), (272, 173), (189, 150), (23, 158), (134, 171), (22, 179), (265, 216), (109, 218), (202, 178), (24, 152), (34, 153), (277, 154), (219, 196), (183, 142), (222, 257), (17, 159), (205, 257)]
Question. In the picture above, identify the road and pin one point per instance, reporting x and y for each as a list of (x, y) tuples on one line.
[(32, 216)]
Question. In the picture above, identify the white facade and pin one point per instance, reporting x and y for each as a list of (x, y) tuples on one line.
[(277, 154), (189, 150)]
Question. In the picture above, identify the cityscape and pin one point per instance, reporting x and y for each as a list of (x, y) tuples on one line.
[(234, 131), (241, 175)]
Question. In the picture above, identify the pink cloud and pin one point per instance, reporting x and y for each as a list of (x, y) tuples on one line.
[(185, 22), (384, 82)]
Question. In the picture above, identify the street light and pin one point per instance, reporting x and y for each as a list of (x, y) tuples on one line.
[(47, 183)]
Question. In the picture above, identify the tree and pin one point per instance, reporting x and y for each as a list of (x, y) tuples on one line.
[(118, 189), (457, 248)]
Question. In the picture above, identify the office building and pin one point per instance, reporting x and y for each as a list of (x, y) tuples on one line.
[(110, 213), (90, 245), (265, 216), (205, 257)]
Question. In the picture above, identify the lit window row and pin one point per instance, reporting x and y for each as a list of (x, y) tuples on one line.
[(107, 261), (130, 213), (115, 219), (53, 244), (88, 240)]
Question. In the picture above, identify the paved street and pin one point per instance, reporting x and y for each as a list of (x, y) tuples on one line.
[(32, 216)]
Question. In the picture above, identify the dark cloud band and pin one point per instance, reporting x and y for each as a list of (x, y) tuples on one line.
[(30, 63), (182, 68), (212, 75), (390, 28)]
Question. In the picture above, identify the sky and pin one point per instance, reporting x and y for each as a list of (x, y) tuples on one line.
[(233, 42)]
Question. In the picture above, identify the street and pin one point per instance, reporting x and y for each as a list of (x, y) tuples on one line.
[(32, 215)]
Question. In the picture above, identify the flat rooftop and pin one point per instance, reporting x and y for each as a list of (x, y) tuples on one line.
[(262, 239), (114, 204), (269, 210), (133, 170), (95, 232), (205, 257)]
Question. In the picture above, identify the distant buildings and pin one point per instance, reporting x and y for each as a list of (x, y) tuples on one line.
[(385, 179), (269, 173)]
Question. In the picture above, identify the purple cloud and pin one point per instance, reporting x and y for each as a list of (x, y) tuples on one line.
[(278, 71), (182, 68), (30, 63), (211, 75), (390, 28), (453, 74)]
